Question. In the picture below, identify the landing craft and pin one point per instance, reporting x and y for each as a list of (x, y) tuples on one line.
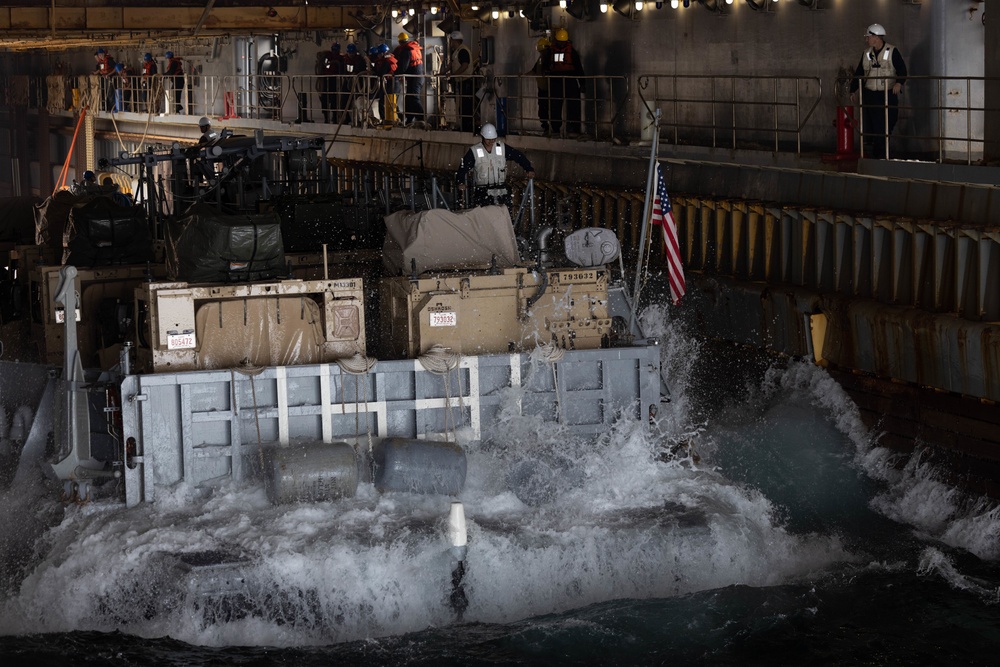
[(261, 327)]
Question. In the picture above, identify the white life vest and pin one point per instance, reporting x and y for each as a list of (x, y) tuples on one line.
[(491, 168), (878, 67), (455, 63)]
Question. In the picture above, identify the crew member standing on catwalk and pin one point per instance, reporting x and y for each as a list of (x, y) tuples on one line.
[(487, 161), (175, 70), (564, 68), (460, 71), (106, 69), (410, 61), (542, 82), (880, 75), (149, 72)]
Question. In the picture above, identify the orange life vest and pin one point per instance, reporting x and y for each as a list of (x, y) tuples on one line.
[(563, 58)]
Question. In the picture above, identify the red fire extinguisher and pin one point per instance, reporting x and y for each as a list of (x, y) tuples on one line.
[(845, 133)]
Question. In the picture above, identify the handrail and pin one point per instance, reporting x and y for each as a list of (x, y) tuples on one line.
[(941, 118), (742, 98)]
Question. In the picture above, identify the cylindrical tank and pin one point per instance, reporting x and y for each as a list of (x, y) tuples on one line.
[(419, 466), (310, 472)]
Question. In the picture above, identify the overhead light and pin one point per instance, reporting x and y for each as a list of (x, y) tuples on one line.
[(562, 4), (495, 14), (413, 10), (604, 8), (434, 8), (638, 5), (674, 4), (511, 14), (521, 13), (659, 5), (395, 13), (474, 7)]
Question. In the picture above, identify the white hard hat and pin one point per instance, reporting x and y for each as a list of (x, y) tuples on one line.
[(488, 131), (204, 121), (876, 29), (458, 35)]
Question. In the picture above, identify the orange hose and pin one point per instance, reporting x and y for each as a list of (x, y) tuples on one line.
[(61, 181)]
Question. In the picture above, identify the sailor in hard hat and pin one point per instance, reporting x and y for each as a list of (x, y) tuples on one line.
[(487, 162), (410, 62), (564, 66), (149, 72), (175, 72), (207, 133), (880, 75), (460, 73)]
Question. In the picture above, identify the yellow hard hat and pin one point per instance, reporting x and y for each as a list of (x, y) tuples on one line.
[(562, 35), (542, 44), (403, 37)]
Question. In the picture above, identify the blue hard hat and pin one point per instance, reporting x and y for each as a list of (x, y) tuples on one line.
[(352, 48), (119, 67), (147, 57), (336, 47), (100, 50), (169, 54), (373, 51), (89, 175), (383, 48)]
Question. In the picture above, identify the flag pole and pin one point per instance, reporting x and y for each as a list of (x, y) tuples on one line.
[(646, 209)]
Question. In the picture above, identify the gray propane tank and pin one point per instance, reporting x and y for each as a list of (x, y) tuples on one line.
[(310, 472), (419, 466)]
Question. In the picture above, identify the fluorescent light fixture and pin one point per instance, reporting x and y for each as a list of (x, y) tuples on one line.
[(604, 8)]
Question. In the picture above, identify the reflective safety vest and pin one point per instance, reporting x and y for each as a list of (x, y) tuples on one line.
[(563, 58), (354, 64), (456, 63), (148, 68), (877, 66), (491, 168)]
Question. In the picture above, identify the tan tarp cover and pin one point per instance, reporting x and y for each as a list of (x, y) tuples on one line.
[(440, 239), (264, 331)]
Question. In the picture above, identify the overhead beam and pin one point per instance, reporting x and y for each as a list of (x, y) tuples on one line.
[(43, 27)]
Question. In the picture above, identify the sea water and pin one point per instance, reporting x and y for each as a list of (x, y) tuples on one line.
[(762, 524)]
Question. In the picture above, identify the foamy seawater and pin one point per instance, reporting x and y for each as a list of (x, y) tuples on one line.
[(694, 541)]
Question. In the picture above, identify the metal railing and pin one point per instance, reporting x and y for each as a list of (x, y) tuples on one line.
[(769, 112), (940, 118)]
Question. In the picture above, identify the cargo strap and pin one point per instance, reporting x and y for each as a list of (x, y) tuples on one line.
[(250, 371), (357, 365), (552, 354), (440, 361)]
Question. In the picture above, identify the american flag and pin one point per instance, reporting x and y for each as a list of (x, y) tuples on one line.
[(662, 216)]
